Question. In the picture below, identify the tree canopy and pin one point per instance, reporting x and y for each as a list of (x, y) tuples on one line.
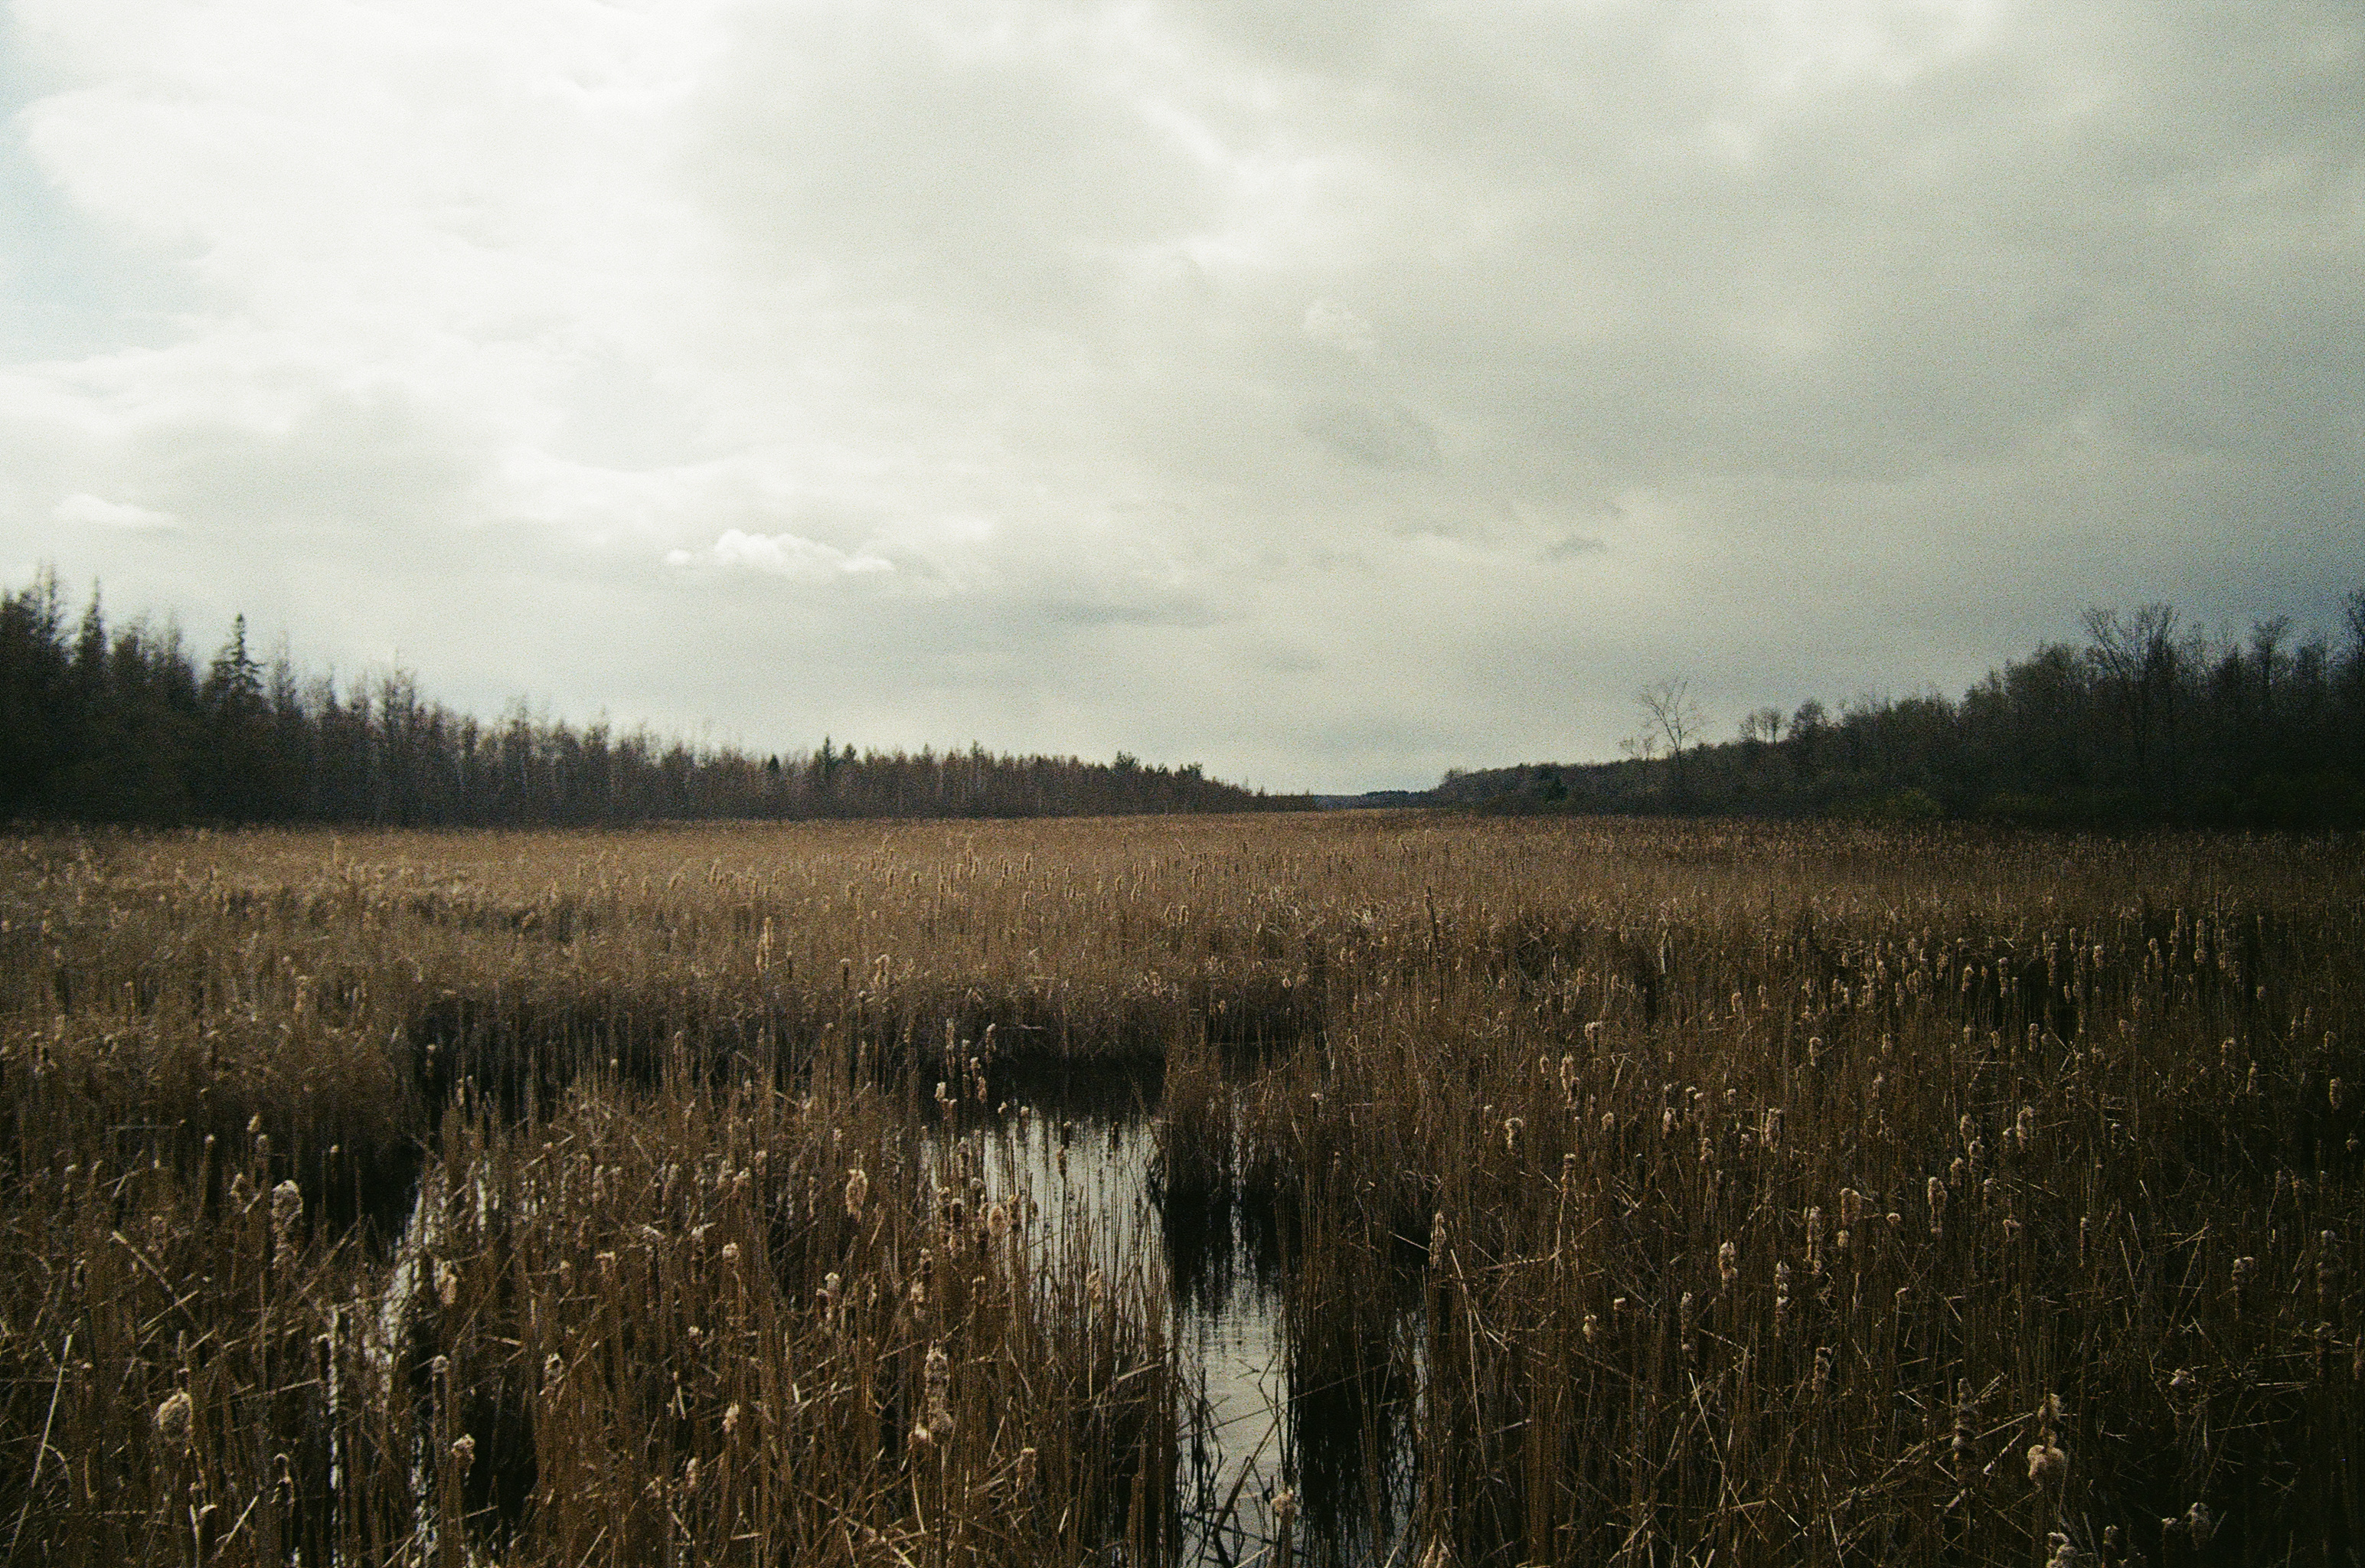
[(121, 725)]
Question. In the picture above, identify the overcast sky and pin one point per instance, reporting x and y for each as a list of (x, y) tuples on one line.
[(1331, 392)]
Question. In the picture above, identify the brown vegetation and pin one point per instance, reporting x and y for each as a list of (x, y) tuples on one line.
[(1649, 1191)]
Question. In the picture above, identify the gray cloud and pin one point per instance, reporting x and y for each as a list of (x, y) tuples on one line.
[(1331, 393), (1388, 436)]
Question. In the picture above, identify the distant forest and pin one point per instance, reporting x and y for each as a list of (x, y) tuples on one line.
[(101, 724), (2146, 721)]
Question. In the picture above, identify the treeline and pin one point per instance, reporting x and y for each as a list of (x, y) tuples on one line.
[(122, 724), (2146, 721)]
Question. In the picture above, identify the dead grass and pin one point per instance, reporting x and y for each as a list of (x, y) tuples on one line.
[(2041, 1203)]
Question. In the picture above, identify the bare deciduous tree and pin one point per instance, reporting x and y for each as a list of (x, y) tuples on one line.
[(2138, 656), (1674, 718), (1673, 713)]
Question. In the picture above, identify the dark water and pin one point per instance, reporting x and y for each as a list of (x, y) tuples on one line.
[(1267, 1411)]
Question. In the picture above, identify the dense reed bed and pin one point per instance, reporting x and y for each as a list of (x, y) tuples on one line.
[(1644, 1191), (1940, 1200)]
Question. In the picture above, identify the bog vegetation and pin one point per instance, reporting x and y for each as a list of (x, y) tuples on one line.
[(1651, 1191)]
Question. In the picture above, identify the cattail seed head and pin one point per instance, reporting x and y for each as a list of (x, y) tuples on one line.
[(287, 1208), (463, 1453), (2048, 1465), (174, 1417), (1437, 1240), (447, 1284), (857, 1188), (936, 1408), (1728, 1264)]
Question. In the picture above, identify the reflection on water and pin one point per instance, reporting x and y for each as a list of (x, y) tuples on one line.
[(1277, 1400)]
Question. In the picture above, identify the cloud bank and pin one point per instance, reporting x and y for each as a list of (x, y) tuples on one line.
[(1331, 393)]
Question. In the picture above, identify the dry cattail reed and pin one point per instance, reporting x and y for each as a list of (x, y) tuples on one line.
[(1647, 930), (858, 1190), (2048, 1465)]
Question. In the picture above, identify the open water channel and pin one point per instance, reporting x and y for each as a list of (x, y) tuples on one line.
[(1261, 1420)]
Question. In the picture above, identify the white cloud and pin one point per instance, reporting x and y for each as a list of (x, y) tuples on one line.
[(784, 555), (1328, 321), (1045, 333), (84, 511)]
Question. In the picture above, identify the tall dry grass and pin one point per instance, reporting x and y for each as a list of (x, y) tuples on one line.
[(1645, 1192)]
